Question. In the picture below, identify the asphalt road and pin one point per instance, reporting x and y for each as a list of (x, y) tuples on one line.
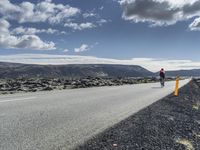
[(60, 120)]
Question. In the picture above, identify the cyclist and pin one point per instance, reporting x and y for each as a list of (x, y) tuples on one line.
[(162, 77)]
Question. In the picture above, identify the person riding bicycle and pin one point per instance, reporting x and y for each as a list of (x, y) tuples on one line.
[(162, 77)]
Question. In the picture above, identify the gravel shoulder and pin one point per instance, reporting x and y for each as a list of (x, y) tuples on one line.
[(171, 123)]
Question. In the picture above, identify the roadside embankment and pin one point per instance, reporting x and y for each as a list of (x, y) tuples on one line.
[(171, 123)]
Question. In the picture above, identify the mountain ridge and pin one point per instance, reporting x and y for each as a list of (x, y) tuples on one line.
[(14, 70)]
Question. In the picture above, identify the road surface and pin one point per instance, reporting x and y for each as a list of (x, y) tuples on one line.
[(60, 120)]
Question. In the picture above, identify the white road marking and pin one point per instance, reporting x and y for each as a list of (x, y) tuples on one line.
[(18, 99), (10, 96)]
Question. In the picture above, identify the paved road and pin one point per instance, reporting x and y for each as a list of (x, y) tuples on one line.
[(59, 120)]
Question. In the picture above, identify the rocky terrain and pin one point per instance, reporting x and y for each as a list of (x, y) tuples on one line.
[(31, 78), (9, 86), (171, 123)]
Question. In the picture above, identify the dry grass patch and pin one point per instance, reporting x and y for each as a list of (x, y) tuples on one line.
[(188, 145)]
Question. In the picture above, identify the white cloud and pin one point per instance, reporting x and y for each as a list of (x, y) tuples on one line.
[(160, 12), (84, 47), (46, 11), (33, 42), (63, 32), (152, 64), (91, 14), (31, 31), (101, 8), (41, 12), (50, 31), (66, 50), (93, 45), (4, 26), (82, 26), (195, 25), (102, 21), (8, 40), (155, 64)]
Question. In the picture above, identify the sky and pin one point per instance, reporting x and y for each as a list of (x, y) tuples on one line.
[(150, 33)]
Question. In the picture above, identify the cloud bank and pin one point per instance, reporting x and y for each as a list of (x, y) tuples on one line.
[(45, 11), (149, 63), (81, 26), (40, 12), (7, 40), (30, 31), (82, 48), (161, 12), (27, 13)]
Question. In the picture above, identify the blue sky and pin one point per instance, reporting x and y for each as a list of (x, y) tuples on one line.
[(156, 30)]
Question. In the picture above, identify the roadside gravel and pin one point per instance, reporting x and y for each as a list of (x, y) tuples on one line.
[(171, 123)]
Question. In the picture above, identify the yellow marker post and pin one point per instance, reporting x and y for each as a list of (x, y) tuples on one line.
[(177, 86)]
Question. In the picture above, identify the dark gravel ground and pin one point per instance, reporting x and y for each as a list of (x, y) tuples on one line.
[(10, 86), (172, 123)]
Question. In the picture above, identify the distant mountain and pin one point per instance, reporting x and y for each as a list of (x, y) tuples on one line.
[(183, 73), (13, 70), (193, 72)]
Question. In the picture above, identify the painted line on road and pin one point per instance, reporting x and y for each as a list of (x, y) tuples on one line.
[(18, 99), (13, 96)]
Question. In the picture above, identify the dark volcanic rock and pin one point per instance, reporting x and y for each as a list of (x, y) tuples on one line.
[(47, 84), (171, 123)]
